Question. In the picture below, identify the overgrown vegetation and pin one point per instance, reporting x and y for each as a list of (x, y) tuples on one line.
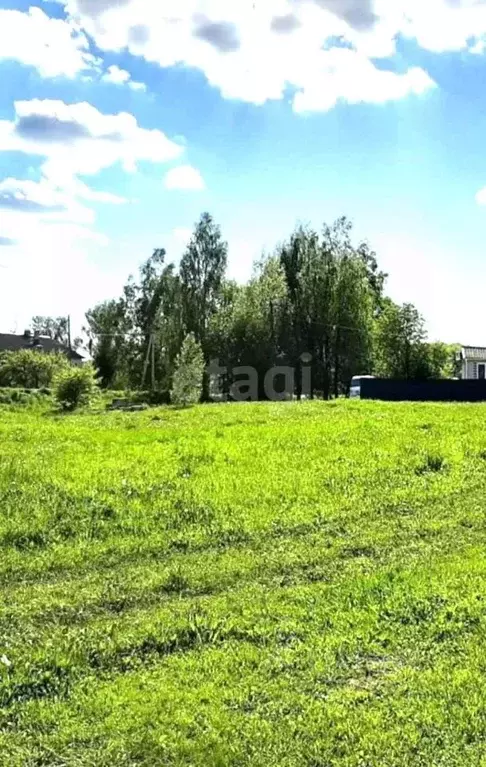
[(189, 373), (268, 584), (318, 293), (23, 397), (75, 387), (30, 369)]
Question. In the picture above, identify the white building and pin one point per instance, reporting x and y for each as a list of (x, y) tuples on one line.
[(473, 360)]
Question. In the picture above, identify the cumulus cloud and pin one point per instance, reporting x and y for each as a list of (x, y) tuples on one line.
[(250, 51), (58, 47), (139, 34), (50, 128), (79, 139), (53, 46), (253, 51), (285, 24), (24, 205), (222, 35), (184, 177), (71, 141), (118, 76), (352, 78), (445, 25), (49, 201), (359, 14), (95, 8)]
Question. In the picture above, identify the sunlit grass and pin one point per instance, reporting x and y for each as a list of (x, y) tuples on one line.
[(268, 584)]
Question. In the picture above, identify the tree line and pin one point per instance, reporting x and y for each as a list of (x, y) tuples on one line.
[(317, 294)]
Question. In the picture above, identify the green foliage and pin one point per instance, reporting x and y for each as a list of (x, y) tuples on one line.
[(401, 350), (75, 387), (271, 584), (120, 331), (188, 377), (400, 343), (202, 270), (334, 291), (30, 369), (319, 293), (56, 328), (440, 360), (23, 397)]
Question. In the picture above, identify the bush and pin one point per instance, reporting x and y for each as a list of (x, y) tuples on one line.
[(30, 369), (76, 387), (188, 377), (27, 397)]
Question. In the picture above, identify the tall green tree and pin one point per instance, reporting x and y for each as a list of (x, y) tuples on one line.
[(105, 328), (334, 289), (202, 271), (400, 341), (320, 293), (137, 338), (307, 305), (353, 322)]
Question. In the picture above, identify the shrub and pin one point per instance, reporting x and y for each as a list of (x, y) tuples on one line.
[(188, 377), (76, 387), (30, 369), (27, 397)]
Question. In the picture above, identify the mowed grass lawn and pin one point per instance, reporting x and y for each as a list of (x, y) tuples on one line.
[(268, 584)]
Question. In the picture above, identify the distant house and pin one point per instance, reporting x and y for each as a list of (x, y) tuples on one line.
[(473, 359), (12, 342)]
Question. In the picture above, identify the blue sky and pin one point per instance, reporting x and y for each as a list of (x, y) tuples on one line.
[(122, 120)]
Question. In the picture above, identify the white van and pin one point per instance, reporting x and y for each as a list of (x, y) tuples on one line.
[(355, 389)]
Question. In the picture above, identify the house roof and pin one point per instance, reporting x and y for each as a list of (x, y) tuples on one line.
[(474, 352), (12, 342)]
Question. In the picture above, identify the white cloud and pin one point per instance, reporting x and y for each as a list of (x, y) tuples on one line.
[(79, 139), (478, 48), (21, 198), (351, 77), (444, 25), (252, 51), (119, 76), (184, 177), (481, 196), (50, 215), (137, 86), (116, 75), (53, 46)]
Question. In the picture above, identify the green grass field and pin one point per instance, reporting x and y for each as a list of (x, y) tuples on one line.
[(271, 584)]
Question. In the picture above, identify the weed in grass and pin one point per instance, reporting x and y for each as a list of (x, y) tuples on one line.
[(432, 464)]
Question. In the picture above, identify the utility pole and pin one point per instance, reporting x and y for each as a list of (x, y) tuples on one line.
[(153, 362), (69, 332), (146, 362), (149, 360)]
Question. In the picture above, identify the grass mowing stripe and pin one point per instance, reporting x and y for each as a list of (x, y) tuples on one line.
[(275, 584)]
